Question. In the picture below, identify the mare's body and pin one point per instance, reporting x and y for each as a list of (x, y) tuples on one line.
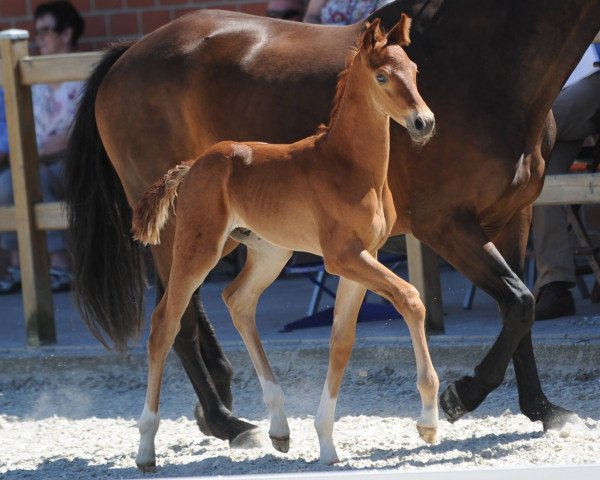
[(490, 70)]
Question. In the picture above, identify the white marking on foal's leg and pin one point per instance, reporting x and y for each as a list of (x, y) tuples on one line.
[(324, 425), (274, 400), (148, 426), (428, 385)]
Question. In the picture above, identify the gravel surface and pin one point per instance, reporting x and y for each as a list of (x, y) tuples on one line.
[(79, 421)]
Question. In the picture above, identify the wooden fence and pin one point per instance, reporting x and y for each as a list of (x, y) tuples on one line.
[(31, 218)]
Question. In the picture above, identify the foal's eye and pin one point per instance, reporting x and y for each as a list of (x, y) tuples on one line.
[(381, 78)]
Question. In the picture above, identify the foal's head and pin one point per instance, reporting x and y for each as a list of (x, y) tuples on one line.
[(392, 78)]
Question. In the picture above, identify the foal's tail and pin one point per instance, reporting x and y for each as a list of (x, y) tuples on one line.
[(152, 211), (107, 267)]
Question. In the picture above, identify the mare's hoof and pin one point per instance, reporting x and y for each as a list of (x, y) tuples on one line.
[(147, 467), (281, 444), (201, 421), (253, 438), (428, 434), (559, 418), (451, 404)]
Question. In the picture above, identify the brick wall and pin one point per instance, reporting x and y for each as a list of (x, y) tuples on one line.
[(108, 20)]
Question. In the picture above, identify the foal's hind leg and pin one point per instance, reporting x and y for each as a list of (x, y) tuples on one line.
[(364, 268), (263, 265), (200, 354), (189, 269)]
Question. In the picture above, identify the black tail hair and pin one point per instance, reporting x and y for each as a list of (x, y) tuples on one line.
[(107, 264)]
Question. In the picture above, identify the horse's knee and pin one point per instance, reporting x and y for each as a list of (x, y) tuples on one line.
[(518, 313), (237, 300), (408, 302)]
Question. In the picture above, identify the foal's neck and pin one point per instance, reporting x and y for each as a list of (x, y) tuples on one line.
[(359, 132)]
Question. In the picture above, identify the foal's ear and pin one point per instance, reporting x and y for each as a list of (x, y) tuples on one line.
[(400, 33), (372, 35)]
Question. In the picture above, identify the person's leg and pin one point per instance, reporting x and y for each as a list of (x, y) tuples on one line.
[(11, 278), (576, 113), (52, 183)]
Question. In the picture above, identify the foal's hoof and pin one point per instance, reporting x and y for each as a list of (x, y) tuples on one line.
[(201, 421), (253, 438), (147, 467), (429, 434), (281, 444), (451, 404)]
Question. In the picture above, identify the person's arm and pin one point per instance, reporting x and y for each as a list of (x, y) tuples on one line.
[(313, 11)]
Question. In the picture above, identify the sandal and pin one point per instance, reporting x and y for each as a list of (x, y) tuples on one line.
[(11, 281), (60, 280)]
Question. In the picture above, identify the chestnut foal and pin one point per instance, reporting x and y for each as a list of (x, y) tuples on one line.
[(327, 194)]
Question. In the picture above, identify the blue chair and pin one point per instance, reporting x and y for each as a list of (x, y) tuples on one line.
[(314, 270)]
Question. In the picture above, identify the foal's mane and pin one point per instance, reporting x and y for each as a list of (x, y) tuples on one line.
[(340, 87)]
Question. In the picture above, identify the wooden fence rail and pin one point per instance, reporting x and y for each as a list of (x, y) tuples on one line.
[(31, 218)]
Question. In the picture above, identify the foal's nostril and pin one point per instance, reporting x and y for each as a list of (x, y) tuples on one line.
[(419, 123)]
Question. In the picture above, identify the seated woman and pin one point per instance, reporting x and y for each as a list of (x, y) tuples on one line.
[(58, 27)]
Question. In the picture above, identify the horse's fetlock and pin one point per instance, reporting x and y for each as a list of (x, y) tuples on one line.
[(428, 381), (273, 396)]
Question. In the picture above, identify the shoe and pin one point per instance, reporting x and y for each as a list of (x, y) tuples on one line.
[(11, 282), (554, 300), (60, 280)]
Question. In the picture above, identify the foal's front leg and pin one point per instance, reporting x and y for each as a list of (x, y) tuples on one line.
[(364, 268), (263, 264), (347, 305)]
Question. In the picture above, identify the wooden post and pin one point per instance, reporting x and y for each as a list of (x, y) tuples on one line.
[(423, 273), (24, 164)]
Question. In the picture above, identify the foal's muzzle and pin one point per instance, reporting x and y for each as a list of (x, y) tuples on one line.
[(421, 127)]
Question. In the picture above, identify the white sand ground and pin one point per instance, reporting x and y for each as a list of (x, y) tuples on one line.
[(80, 422)]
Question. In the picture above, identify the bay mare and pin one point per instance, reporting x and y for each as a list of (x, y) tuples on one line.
[(489, 70), (327, 195)]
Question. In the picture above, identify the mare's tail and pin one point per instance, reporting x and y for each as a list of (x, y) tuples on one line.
[(107, 263), (152, 211)]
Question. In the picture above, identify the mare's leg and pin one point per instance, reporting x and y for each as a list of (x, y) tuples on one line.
[(512, 243), (361, 266), (263, 265), (347, 305), (466, 246)]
